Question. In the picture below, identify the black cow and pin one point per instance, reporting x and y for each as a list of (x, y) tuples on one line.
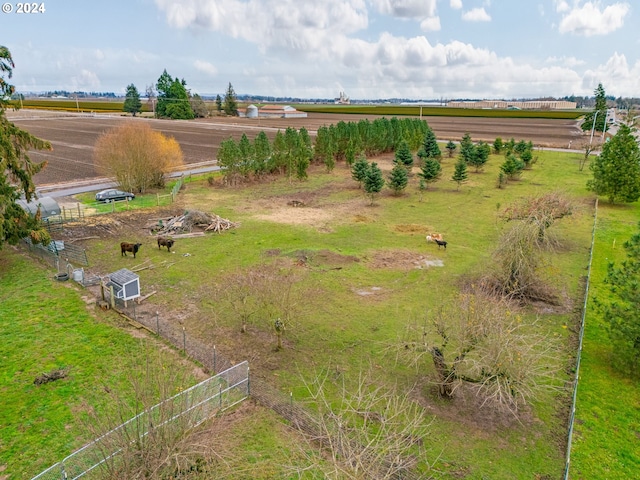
[(129, 247), (441, 243), (165, 242)]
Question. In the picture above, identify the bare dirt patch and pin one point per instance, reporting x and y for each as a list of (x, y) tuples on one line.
[(402, 260)]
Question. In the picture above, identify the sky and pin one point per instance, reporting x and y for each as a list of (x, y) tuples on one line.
[(369, 49)]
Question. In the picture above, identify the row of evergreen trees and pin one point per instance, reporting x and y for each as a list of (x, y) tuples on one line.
[(290, 154)]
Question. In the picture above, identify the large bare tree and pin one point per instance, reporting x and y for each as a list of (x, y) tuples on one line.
[(483, 343), (137, 157)]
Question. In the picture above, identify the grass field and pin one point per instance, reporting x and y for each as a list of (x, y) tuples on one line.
[(117, 106), (608, 407), (47, 325), (348, 247)]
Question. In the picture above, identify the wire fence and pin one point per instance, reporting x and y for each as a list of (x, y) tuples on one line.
[(579, 355), (298, 414), (188, 408), (83, 210)]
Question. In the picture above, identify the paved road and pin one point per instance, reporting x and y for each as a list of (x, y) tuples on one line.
[(58, 190)]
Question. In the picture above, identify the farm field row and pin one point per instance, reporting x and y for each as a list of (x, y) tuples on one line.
[(73, 136)]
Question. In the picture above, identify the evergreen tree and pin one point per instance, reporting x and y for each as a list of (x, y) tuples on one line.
[(620, 309), (460, 173), (278, 159), (262, 152), (599, 112), (467, 148), (451, 147), (481, 155), (360, 169), (324, 150), (616, 171), (430, 145), (16, 169), (430, 171), (247, 155), (173, 98), (132, 103), (218, 103), (512, 166), (229, 160), (497, 146), (303, 153), (230, 102), (373, 182), (403, 155), (527, 158), (398, 178)]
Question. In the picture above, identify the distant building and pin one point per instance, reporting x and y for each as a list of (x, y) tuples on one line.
[(271, 111), (342, 100), (514, 105)]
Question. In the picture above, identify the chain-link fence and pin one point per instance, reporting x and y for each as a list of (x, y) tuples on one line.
[(297, 414), (188, 408), (579, 356)]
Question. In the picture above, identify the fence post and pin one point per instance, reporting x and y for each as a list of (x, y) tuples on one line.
[(184, 340), (214, 359), (157, 324), (220, 394), (79, 214)]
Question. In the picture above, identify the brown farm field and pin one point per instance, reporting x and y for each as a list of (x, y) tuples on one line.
[(73, 136)]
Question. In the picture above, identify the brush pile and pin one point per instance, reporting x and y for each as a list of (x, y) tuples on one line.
[(193, 221)]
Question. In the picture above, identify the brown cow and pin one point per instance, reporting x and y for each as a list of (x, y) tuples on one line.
[(165, 242), (129, 247)]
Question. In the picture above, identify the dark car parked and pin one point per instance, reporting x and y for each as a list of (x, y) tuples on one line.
[(111, 195)]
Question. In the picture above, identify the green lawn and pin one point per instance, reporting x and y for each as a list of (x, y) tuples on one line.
[(338, 329), (607, 425), (46, 325)]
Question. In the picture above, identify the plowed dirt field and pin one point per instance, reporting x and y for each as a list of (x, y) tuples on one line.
[(73, 136)]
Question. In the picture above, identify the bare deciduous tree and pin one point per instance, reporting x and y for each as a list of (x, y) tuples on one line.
[(136, 157), (514, 272), (542, 211), (134, 440), (269, 295), (478, 341), (369, 432)]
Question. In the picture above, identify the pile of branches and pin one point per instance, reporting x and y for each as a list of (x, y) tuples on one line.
[(51, 376), (191, 220)]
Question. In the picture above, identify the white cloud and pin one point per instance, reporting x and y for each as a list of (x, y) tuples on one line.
[(430, 24), (322, 40), (565, 61), (205, 67), (455, 4), (476, 15), (406, 8), (616, 76), (589, 19), (86, 80), (562, 6)]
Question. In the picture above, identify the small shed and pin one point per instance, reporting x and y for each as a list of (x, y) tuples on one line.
[(125, 283), (47, 205)]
